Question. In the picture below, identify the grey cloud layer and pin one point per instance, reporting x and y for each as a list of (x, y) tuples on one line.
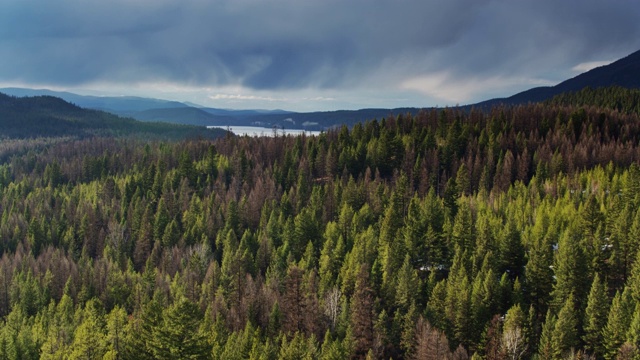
[(290, 44)]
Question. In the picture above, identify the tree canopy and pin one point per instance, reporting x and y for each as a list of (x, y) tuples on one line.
[(448, 234)]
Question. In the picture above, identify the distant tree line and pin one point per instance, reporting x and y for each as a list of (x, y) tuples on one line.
[(48, 116)]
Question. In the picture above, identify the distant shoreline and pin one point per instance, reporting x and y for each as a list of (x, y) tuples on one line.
[(262, 131)]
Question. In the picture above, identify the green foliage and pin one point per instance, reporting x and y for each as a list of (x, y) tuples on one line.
[(617, 98), (618, 323), (394, 239), (565, 334), (595, 317), (179, 334), (546, 350), (90, 340), (570, 270)]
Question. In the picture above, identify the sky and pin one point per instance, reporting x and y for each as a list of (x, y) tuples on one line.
[(308, 55)]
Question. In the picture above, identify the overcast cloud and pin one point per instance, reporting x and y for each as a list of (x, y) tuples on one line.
[(306, 55)]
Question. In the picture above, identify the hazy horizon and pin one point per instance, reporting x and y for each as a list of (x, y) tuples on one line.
[(310, 56)]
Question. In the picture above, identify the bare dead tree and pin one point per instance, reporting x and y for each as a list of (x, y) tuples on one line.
[(332, 306), (431, 343), (513, 343)]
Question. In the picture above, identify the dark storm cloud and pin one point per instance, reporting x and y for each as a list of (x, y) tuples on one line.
[(519, 36), (290, 44)]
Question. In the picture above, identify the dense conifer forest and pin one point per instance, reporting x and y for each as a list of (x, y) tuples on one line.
[(508, 234)]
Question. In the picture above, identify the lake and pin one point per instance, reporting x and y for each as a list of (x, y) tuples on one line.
[(262, 131)]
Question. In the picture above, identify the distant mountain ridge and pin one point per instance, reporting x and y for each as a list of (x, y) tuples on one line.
[(49, 116), (121, 105), (147, 109), (623, 73)]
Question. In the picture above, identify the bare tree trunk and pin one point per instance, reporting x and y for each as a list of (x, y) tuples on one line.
[(514, 343)]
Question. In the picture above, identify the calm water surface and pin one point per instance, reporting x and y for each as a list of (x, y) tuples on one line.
[(261, 131)]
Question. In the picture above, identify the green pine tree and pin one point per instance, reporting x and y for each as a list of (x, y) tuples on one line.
[(595, 317), (618, 322), (117, 333), (545, 346), (90, 339), (634, 281), (565, 333), (179, 336), (463, 228), (633, 335), (538, 274), (570, 270)]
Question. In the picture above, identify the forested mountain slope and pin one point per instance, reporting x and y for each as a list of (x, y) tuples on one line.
[(121, 105), (624, 73), (448, 234), (48, 116), (616, 98)]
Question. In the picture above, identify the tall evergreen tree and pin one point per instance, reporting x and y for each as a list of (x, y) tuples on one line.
[(564, 339), (463, 229), (117, 333), (633, 335), (538, 273), (511, 251), (570, 270), (595, 317), (546, 345), (391, 250), (634, 281), (90, 340), (179, 335), (618, 322)]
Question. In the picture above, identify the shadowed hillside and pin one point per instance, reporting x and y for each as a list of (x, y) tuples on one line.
[(44, 116), (623, 73)]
